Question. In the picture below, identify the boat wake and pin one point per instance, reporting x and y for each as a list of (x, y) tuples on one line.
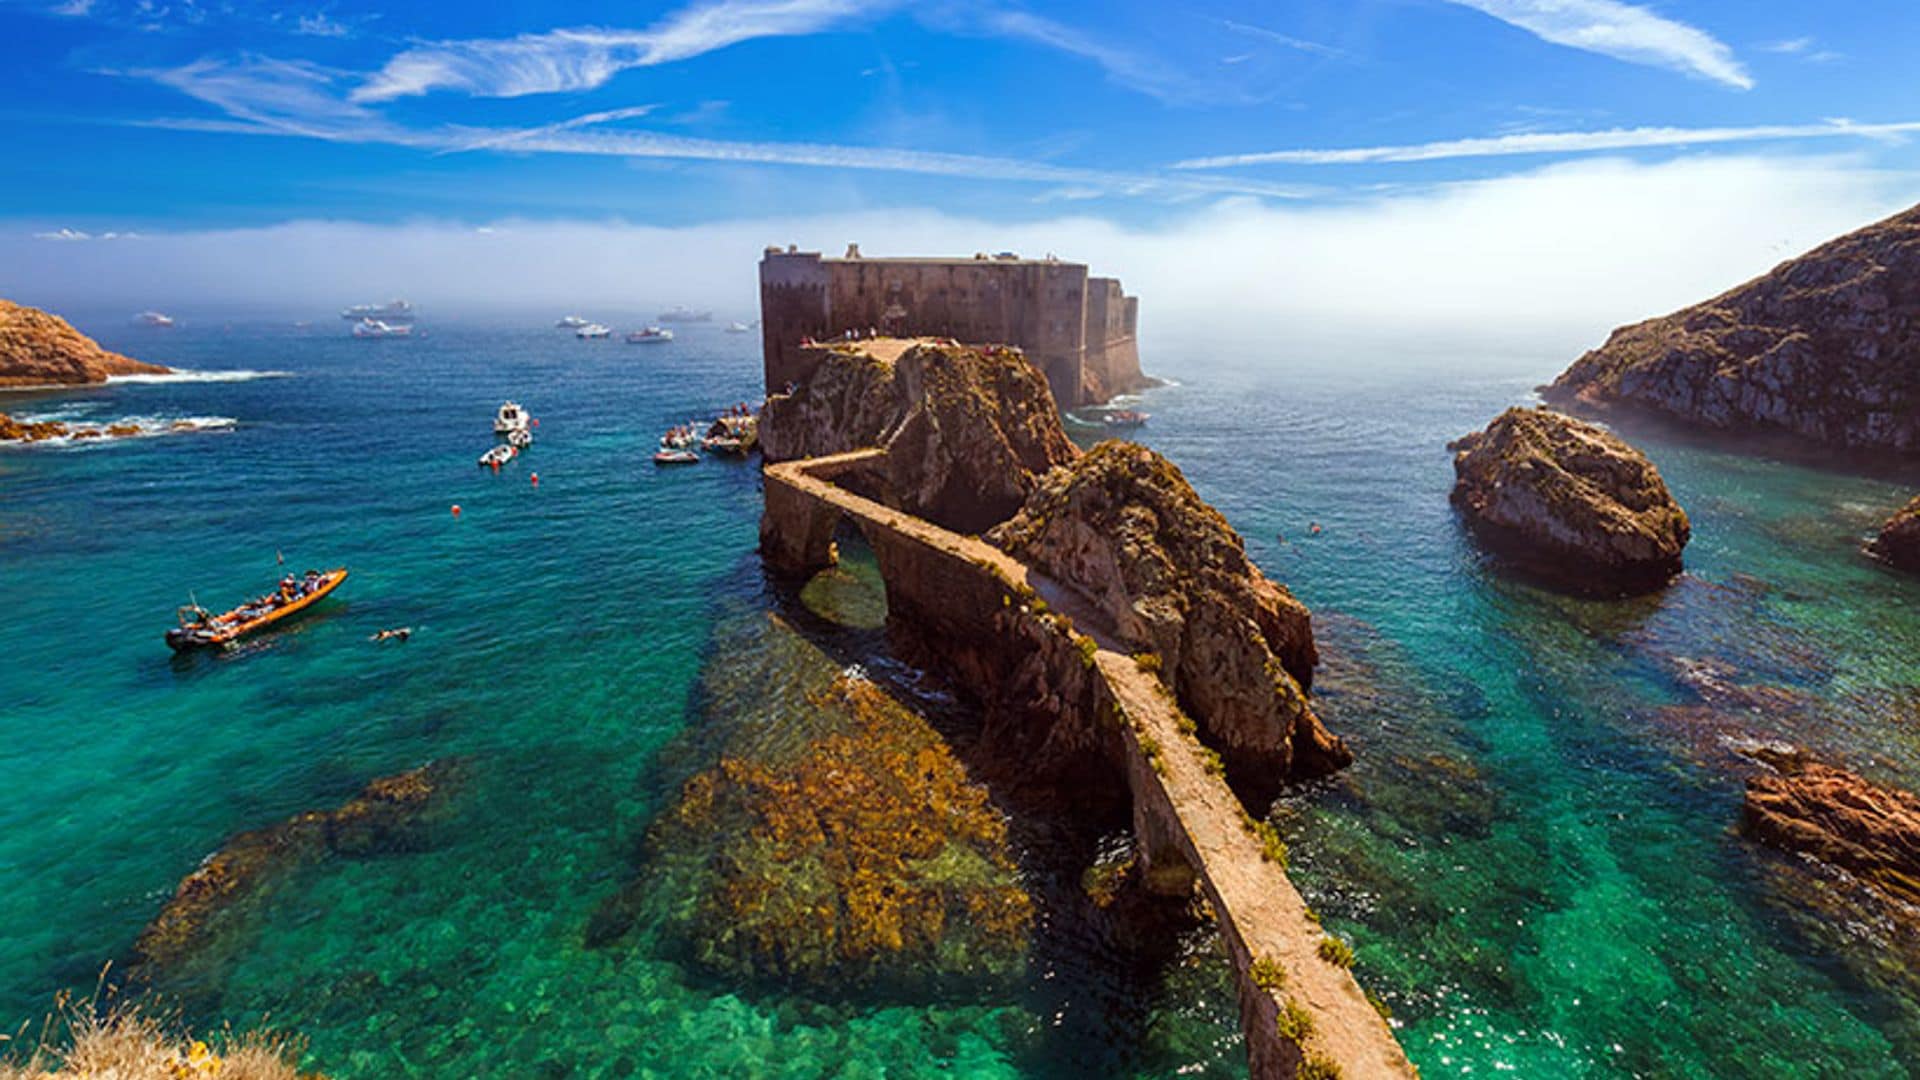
[(183, 375)]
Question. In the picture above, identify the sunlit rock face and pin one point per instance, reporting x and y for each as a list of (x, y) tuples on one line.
[(969, 430), (1124, 528), (1870, 831), (863, 856), (41, 349), (1898, 544), (1825, 348), (1569, 503)]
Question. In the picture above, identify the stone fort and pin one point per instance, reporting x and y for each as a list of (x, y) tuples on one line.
[(1078, 329)]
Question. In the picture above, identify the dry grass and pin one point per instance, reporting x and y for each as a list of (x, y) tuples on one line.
[(123, 1042)]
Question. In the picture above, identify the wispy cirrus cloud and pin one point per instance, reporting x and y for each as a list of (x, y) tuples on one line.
[(263, 96), (1623, 31), (583, 58), (73, 236), (1285, 41), (1556, 142)]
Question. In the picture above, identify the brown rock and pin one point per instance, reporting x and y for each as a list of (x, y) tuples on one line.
[(1823, 348), (1122, 526), (1569, 503), (40, 349), (1898, 544), (968, 429), (1870, 831), (377, 819), (12, 430)]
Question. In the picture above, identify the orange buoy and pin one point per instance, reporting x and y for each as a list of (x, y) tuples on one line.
[(536, 421), (536, 479), (495, 464), (456, 509)]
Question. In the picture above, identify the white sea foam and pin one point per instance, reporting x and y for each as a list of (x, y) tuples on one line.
[(183, 375), (148, 427)]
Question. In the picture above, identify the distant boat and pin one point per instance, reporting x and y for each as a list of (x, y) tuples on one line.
[(736, 328), (685, 314), (652, 335), (374, 328), (511, 418), (593, 330), (1125, 418), (498, 455), (571, 322), (154, 318), (675, 457), (393, 311)]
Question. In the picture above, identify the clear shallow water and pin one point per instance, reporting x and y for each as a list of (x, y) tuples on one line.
[(1534, 855)]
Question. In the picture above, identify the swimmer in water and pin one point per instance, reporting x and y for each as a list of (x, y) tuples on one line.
[(400, 634)]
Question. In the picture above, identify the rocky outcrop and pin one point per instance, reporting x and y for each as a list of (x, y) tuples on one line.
[(12, 430), (866, 856), (1123, 527), (1569, 503), (382, 817), (1825, 348), (41, 349), (1898, 544), (968, 429), (1870, 831)]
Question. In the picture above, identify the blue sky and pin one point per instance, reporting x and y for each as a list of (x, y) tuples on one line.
[(1571, 162), (169, 114)]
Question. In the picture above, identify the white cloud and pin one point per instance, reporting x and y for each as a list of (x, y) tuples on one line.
[(1545, 262), (74, 9), (66, 235), (1623, 31), (1287, 41), (1791, 45), (1560, 142), (583, 58), (1136, 71), (319, 24)]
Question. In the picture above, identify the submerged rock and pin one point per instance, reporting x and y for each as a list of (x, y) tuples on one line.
[(1898, 544), (42, 349), (1122, 526), (381, 817), (1823, 348), (969, 429), (1569, 503), (865, 856), (1870, 831)]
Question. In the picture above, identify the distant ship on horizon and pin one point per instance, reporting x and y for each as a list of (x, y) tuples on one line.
[(392, 311), (154, 318), (682, 313)]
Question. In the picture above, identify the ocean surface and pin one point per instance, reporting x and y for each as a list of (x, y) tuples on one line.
[(1536, 856)]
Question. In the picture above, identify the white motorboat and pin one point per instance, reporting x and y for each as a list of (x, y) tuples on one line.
[(498, 455), (571, 322), (683, 313), (593, 330), (154, 318), (511, 418), (375, 328), (736, 328), (393, 311), (652, 335)]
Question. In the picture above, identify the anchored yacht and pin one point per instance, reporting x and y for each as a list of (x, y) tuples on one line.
[(374, 328), (571, 322), (652, 335), (393, 311), (593, 330)]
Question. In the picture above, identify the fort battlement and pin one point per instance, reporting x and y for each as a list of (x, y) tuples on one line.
[(1079, 330)]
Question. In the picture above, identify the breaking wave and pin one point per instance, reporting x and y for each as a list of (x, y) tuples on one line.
[(184, 375)]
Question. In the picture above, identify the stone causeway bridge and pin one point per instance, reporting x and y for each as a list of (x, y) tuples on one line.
[(1296, 1006)]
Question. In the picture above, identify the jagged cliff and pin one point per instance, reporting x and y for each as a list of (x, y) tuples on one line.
[(1124, 528), (1826, 347), (1569, 503), (968, 429), (1898, 544), (42, 349)]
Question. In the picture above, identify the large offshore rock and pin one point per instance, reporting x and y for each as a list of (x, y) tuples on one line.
[(1898, 544), (968, 429), (1826, 347), (1870, 831), (1569, 503), (41, 349), (1122, 526)]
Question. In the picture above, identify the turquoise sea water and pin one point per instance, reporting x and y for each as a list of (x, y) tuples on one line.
[(1535, 855)]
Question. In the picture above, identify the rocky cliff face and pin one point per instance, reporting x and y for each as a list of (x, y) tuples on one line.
[(1569, 503), (1870, 831), (1826, 347), (1123, 527), (39, 349), (968, 429), (1899, 541)]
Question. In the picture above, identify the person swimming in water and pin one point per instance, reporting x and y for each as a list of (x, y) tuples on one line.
[(397, 634)]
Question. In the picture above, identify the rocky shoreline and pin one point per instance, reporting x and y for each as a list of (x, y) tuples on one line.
[(38, 348)]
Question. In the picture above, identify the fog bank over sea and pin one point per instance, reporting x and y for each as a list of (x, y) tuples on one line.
[(1546, 260)]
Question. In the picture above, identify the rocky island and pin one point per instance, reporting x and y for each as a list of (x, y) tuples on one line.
[(38, 348), (1569, 503), (1822, 349), (1898, 544)]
